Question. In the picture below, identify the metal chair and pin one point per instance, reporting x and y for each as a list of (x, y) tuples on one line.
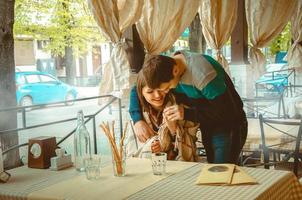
[(289, 146)]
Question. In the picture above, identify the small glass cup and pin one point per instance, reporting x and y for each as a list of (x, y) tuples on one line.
[(119, 167), (93, 167), (119, 162), (159, 161)]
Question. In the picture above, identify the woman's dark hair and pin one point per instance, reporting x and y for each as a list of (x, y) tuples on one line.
[(140, 84), (158, 69)]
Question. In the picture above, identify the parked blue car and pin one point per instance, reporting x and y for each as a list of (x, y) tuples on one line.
[(41, 88)]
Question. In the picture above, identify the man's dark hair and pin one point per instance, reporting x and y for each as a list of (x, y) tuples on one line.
[(158, 69)]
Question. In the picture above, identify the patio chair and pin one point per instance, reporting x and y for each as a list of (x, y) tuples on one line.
[(289, 146)]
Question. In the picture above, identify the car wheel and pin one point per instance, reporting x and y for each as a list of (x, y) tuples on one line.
[(26, 101), (69, 97)]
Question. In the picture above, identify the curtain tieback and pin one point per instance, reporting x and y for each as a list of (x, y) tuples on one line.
[(218, 51), (297, 43), (119, 43), (147, 54)]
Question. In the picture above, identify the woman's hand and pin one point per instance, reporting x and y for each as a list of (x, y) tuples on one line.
[(143, 131), (155, 146), (171, 125), (173, 113)]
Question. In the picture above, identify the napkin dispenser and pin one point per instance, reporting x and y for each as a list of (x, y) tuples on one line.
[(40, 150), (61, 161)]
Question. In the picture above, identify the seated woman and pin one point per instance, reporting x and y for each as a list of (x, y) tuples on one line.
[(176, 138)]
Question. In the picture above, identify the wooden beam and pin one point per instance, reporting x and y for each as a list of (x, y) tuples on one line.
[(239, 38), (197, 42), (135, 49)]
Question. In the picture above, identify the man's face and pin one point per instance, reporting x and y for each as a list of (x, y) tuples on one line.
[(173, 82), (169, 85)]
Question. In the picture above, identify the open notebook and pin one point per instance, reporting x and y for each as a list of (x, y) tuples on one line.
[(224, 174)]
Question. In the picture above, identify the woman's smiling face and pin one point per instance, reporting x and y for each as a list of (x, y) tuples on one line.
[(155, 97)]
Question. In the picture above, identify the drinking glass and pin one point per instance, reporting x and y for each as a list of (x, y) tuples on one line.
[(119, 167), (119, 163), (93, 167), (159, 161)]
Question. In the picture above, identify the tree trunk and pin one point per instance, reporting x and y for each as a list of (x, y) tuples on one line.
[(69, 59), (197, 42), (8, 120), (70, 66)]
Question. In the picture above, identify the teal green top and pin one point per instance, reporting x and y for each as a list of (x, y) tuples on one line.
[(190, 80)]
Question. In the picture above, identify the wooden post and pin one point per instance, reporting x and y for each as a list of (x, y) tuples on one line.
[(239, 58), (197, 42), (135, 49), (239, 38)]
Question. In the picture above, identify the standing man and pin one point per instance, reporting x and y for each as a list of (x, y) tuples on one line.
[(211, 96)]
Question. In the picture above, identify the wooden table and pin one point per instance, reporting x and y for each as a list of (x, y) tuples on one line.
[(140, 183)]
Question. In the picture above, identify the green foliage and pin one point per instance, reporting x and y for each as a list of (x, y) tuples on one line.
[(282, 42), (64, 23)]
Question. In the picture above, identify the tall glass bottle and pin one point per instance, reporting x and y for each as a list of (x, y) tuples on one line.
[(81, 143)]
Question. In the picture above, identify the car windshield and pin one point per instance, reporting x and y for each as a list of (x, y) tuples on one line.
[(32, 78)]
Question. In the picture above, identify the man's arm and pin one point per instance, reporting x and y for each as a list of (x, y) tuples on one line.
[(190, 111), (134, 107), (141, 128)]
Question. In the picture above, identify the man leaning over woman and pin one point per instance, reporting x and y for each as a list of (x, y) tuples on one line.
[(175, 137)]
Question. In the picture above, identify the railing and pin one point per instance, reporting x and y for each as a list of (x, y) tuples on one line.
[(92, 117), (253, 105), (293, 89)]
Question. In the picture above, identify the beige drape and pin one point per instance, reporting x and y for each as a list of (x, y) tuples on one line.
[(265, 19), (163, 21), (218, 19), (294, 56), (113, 17)]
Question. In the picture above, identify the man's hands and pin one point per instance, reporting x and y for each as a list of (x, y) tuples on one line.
[(143, 131)]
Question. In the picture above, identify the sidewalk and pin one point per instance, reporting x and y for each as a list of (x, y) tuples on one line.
[(87, 91)]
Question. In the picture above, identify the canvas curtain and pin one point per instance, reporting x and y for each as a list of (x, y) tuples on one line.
[(113, 17), (294, 56), (218, 19), (163, 21), (265, 19)]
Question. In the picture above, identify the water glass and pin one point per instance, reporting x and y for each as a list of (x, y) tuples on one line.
[(159, 161), (93, 167)]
